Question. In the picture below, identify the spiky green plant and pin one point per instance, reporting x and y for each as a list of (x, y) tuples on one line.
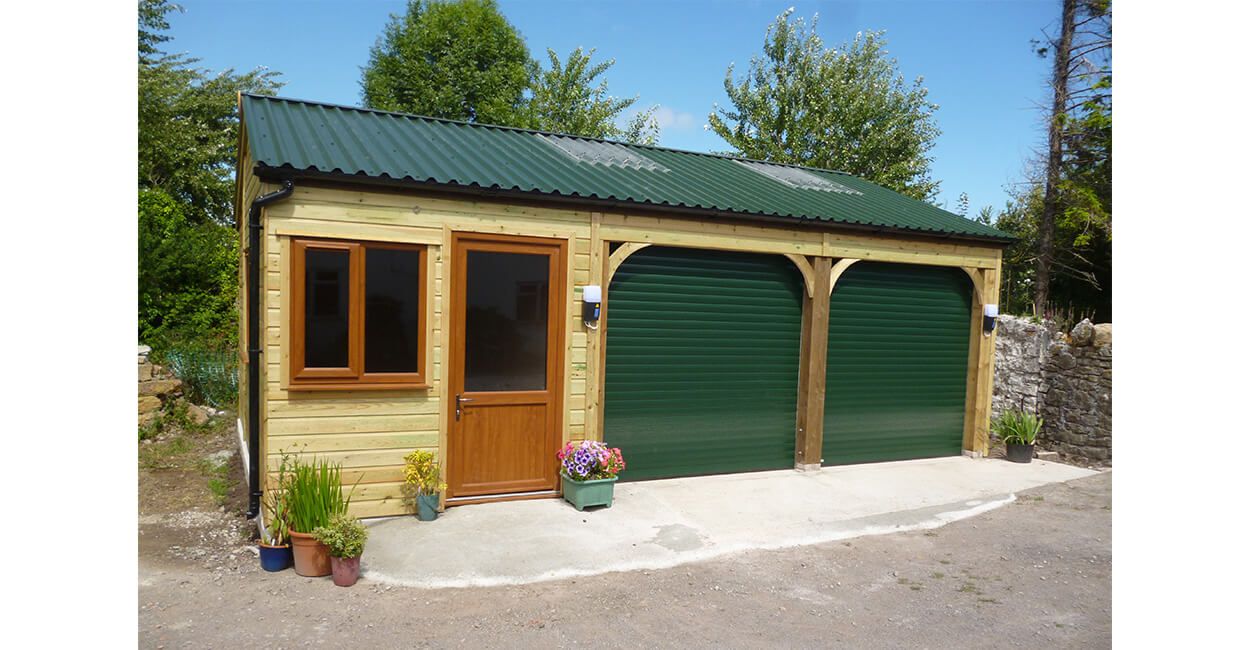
[(315, 494), (1017, 427)]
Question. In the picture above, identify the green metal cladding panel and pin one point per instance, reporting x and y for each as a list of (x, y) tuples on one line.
[(897, 363), (702, 362)]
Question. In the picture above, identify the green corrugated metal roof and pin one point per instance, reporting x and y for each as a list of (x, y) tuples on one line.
[(308, 136)]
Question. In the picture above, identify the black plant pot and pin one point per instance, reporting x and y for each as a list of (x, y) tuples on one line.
[(1017, 453)]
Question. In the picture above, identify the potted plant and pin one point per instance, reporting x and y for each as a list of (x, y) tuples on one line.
[(275, 542), (345, 538), (423, 479), (314, 498), (1018, 430), (588, 472)]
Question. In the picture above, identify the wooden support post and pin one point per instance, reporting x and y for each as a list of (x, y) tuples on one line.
[(603, 265), (595, 337), (980, 382), (813, 347)]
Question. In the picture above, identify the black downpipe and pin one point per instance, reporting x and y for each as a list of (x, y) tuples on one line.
[(254, 230)]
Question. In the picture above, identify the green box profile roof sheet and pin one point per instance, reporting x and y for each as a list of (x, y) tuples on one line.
[(301, 136)]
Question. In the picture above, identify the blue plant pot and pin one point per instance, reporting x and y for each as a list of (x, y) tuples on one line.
[(427, 507), (275, 558), (583, 494)]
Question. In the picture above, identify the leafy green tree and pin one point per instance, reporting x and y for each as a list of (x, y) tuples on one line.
[(846, 108), (188, 130), (188, 136), (566, 99), (188, 274), (1080, 283), (459, 60)]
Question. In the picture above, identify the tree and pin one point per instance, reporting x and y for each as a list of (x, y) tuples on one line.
[(458, 60), (847, 108), (188, 129), (1078, 160), (188, 136), (188, 274), (566, 100), (962, 204)]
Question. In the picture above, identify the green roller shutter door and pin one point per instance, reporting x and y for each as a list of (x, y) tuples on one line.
[(702, 362), (897, 363)]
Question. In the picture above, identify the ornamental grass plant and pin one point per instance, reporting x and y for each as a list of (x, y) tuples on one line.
[(315, 494), (1017, 427), (590, 460)]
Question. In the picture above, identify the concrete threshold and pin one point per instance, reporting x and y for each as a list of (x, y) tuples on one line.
[(661, 524)]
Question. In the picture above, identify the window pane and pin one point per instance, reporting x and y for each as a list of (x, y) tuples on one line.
[(326, 276), (392, 285), (506, 322)]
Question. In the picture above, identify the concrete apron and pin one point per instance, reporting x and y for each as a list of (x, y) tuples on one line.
[(660, 524)]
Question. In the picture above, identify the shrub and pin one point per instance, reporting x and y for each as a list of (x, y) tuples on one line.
[(188, 275), (421, 473), (344, 535)]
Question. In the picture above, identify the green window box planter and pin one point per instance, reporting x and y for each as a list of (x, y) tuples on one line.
[(588, 493)]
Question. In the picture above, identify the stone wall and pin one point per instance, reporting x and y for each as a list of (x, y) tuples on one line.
[(159, 390), (1064, 377)]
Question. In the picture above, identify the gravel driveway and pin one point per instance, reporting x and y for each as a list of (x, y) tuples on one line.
[(1035, 573)]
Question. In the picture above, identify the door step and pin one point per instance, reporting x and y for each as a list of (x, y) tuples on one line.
[(509, 496)]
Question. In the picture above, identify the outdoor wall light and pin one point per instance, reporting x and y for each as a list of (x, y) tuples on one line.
[(592, 294), (991, 315)]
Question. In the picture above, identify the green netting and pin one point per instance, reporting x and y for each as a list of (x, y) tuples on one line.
[(208, 376)]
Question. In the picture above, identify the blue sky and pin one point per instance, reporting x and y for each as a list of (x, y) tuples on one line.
[(974, 56)]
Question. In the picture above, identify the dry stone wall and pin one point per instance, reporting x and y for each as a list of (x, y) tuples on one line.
[(1064, 377), (158, 390)]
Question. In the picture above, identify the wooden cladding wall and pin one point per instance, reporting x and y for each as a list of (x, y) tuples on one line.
[(369, 432)]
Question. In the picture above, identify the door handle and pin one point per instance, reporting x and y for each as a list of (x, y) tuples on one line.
[(460, 400)]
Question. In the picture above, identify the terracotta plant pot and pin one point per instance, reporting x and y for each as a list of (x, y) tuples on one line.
[(346, 570), (312, 558)]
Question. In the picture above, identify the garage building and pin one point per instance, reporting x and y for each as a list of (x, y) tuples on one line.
[(414, 282)]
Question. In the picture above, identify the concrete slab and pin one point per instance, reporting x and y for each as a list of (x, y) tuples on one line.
[(660, 524)]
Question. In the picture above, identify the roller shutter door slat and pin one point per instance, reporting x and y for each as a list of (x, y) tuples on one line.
[(702, 362), (897, 363)]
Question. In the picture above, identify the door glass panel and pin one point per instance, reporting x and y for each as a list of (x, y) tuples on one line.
[(392, 289), (326, 308), (506, 322)]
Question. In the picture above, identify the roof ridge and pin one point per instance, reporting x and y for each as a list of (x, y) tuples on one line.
[(502, 127)]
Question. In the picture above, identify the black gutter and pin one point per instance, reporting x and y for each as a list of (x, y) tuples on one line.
[(254, 230), (283, 174)]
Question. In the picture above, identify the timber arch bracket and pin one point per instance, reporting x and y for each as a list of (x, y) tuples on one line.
[(838, 269)]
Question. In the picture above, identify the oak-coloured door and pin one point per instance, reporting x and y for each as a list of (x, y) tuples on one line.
[(507, 298)]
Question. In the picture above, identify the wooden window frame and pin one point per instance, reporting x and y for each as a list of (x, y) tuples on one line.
[(353, 376)]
